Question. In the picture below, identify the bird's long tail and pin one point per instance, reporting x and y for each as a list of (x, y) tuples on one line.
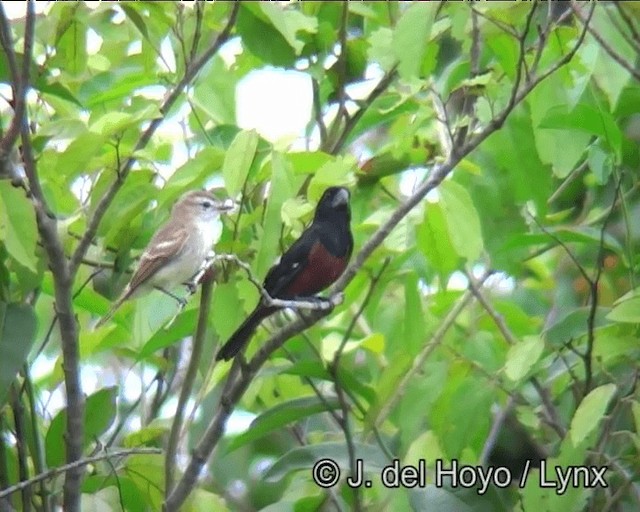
[(126, 294), (110, 313), (244, 332)]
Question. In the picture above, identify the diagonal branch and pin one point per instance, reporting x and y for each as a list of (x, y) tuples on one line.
[(240, 377), (51, 473), (353, 120), (630, 67)]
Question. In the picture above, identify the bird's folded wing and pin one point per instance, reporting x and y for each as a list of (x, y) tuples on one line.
[(292, 262), (166, 245)]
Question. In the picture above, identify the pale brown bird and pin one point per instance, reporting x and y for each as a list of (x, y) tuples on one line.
[(178, 249)]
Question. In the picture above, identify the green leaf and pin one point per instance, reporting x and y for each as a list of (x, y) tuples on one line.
[(115, 122), (100, 411), (215, 92), (585, 235), (411, 37), (18, 325), (560, 148), (334, 172), (460, 416), (626, 312), (75, 159), (601, 164), (387, 386), (18, 228), (414, 323), (317, 370), (289, 22), (434, 241), (144, 436), (113, 85), (181, 327), (308, 162), (305, 457), (281, 190), (522, 357), (575, 325), (585, 118), (193, 173), (590, 412), (71, 47), (238, 160), (136, 19), (380, 48), (281, 415), (255, 32), (147, 473), (462, 220)]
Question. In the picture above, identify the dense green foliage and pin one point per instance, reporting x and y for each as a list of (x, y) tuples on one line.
[(495, 322)]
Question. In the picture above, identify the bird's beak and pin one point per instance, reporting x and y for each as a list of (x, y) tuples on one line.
[(227, 206), (341, 198)]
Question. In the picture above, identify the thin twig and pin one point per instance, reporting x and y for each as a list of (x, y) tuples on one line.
[(38, 456), (317, 305), (22, 444), (343, 420), (47, 475), (364, 106), (317, 109), (628, 21), (187, 385), (427, 350), (629, 39), (628, 66), (510, 338), (595, 281), (496, 427)]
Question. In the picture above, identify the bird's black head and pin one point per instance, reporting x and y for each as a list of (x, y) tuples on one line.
[(334, 200)]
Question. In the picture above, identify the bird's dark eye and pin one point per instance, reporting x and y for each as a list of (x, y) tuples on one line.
[(206, 204)]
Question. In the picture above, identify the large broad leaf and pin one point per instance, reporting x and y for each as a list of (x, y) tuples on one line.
[(317, 370), (215, 92), (281, 189), (306, 457), (575, 325), (100, 411), (255, 30), (147, 474), (627, 311), (182, 326), (462, 220), (589, 413), (289, 22), (18, 228), (522, 357), (435, 243), (75, 159), (584, 235), (411, 35), (17, 332), (238, 160), (280, 416), (585, 118)]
